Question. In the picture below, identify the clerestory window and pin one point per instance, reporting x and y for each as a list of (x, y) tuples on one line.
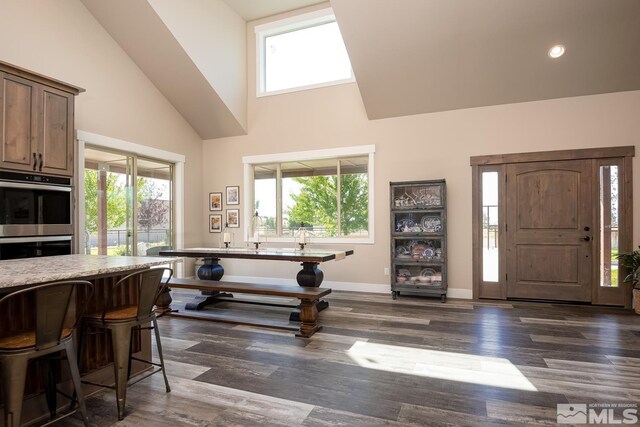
[(303, 52)]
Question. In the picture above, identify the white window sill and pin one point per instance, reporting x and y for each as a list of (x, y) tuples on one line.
[(260, 94), (317, 241)]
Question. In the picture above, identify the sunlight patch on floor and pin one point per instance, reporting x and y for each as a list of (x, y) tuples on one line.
[(468, 368)]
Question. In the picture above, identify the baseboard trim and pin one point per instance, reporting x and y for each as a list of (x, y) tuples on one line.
[(378, 288)]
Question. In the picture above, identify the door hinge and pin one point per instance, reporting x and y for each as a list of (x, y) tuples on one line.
[(506, 277), (506, 227), (505, 177)]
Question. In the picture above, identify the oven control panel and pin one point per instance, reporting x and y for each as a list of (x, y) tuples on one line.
[(38, 179)]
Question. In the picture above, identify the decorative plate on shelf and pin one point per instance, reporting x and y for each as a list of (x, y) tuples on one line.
[(404, 272), (417, 250), (429, 252), (431, 224), (402, 251), (405, 223), (427, 272)]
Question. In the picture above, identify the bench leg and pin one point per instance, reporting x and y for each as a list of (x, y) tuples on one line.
[(294, 316), (309, 319), (206, 298)]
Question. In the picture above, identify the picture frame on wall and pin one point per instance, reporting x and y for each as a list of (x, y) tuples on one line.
[(215, 223), (233, 218), (215, 201), (233, 195)]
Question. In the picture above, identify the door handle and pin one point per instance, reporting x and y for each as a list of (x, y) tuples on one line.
[(40, 155), (35, 161), (586, 238)]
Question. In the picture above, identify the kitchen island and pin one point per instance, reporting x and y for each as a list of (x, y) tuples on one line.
[(103, 271), (17, 273)]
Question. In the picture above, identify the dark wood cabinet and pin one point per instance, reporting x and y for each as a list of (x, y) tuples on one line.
[(419, 238), (36, 122), (18, 124)]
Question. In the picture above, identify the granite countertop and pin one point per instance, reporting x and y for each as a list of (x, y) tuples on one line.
[(29, 271)]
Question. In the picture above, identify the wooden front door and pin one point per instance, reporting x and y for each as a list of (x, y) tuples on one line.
[(549, 230)]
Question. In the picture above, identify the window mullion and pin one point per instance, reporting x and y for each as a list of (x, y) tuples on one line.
[(338, 195), (134, 205), (278, 200)]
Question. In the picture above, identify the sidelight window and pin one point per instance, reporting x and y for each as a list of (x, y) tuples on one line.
[(490, 227), (609, 225)]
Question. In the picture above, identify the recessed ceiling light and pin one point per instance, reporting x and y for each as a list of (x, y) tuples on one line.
[(556, 51)]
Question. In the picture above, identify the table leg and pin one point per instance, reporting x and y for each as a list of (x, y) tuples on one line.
[(310, 276), (210, 270), (163, 302), (309, 319)]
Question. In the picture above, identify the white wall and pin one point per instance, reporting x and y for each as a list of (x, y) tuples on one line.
[(428, 146), (61, 39), (213, 36)]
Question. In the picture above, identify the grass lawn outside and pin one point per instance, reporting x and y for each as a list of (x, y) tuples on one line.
[(111, 250)]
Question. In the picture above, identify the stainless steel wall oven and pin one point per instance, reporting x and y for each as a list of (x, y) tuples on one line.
[(36, 214)]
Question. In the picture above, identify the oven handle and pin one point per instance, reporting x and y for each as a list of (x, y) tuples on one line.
[(35, 239), (43, 187)]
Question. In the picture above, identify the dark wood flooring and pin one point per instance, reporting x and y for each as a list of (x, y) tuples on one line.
[(378, 362)]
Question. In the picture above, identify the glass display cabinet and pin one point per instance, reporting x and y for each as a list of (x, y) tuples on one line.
[(419, 238)]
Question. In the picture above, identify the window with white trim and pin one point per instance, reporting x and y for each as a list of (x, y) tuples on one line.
[(330, 191), (303, 52)]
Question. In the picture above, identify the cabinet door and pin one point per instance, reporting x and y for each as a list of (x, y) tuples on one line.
[(56, 128), (18, 131)]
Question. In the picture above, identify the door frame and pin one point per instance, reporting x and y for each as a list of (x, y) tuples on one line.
[(498, 163)]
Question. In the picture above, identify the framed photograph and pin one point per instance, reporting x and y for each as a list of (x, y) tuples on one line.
[(233, 218), (215, 201), (215, 223), (233, 195)]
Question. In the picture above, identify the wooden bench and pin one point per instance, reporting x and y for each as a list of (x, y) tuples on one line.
[(308, 297)]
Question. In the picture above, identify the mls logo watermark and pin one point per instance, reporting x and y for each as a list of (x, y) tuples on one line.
[(571, 413), (597, 413)]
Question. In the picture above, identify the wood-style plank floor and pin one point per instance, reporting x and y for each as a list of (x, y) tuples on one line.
[(379, 362)]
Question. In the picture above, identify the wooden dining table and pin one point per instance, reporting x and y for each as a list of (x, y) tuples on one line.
[(309, 258)]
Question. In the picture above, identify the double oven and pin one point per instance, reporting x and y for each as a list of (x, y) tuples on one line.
[(36, 214)]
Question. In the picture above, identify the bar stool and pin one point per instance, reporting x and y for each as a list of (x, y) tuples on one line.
[(121, 321), (50, 329)]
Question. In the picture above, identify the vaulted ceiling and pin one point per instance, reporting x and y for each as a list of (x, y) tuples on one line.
[(423, 56), (194, 52), (408, 56)]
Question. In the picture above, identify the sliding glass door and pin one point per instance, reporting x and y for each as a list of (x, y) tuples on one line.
[(128, 204), (154, 211)]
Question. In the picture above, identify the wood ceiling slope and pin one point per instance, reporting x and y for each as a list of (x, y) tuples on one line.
[(137, 28), (422, 56)]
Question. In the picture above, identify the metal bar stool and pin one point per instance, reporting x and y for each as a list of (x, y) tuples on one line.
[(50, 330), (121, 321)]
